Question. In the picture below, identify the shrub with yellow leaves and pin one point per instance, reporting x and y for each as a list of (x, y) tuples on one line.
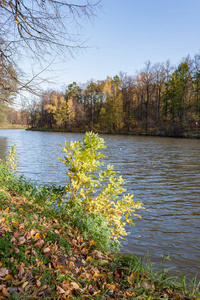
[(11, 159), (96, 187)]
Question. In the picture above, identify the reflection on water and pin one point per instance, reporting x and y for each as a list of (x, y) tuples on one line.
[(163, 173)]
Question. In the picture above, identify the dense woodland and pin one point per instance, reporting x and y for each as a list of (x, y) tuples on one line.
[(160, 100)]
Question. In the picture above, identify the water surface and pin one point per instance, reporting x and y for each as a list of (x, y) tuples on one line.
[(163, 173)]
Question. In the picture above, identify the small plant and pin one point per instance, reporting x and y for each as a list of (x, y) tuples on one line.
[(96, 188), (11, 159)]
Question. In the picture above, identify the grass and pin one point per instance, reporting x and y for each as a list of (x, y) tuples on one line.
[(44, 256), (6, 125)]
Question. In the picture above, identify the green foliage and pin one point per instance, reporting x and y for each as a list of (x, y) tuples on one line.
[(95, 189), (92, 226), (12, 159)]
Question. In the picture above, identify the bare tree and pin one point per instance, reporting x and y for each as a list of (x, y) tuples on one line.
[(40, 30)]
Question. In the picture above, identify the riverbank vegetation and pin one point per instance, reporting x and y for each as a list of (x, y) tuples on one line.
[(49, 251), (159, 100)]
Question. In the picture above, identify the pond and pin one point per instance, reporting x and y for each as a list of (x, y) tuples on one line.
[(163, 173)]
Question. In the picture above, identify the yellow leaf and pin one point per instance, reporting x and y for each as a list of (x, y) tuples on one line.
[(37, 236), (15, 223), (7, 209), (89, 259), (92, 242), (110, 286), (9, 277)]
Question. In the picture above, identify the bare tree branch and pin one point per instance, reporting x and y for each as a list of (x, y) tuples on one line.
[(38, 29)]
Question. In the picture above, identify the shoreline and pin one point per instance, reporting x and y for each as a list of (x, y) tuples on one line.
[(61, 260), (186, 135)]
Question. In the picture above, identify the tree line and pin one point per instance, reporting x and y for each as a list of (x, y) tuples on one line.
[(160, 99)]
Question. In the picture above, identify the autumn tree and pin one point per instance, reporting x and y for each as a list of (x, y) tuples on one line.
[(176, 96), (58, 107), (196, 83)]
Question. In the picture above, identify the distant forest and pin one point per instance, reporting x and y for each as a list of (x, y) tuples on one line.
[(159, 100)]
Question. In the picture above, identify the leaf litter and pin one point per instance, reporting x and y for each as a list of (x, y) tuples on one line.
[(43, 257)]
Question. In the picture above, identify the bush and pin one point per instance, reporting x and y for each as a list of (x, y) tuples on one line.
[(94, 190)]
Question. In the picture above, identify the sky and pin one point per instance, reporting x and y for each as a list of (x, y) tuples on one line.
[(127, 33)]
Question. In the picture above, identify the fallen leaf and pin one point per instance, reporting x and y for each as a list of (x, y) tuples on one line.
[(75, 285), (39, 243), (92, 242), (22, 240), (2, 220), (13, 239), (21, 271), (71, 264), (3, 272), (37, 236), (24, 284), (110, 286), (60, 290), (16, 234), (2, 286), (89, 259), (66, 285), (46, 250), (8, 277), (38, 283)]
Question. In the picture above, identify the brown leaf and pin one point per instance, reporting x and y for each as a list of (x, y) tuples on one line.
[(31, 233), (118, 273), (71, 264), (75, 285), (38, 283), (22, 240), (12, 290), (44, 287), (60, 290), (3, 272), (16, 234), (54, 264), (2, 286), (2, 220), (48, 254), (24, 284), (66, 285), (39, 243), (13, 239), (21, 271), (4, 291), (45, 250)]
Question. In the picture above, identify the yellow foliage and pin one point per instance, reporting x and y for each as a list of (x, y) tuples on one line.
[(100, 192)]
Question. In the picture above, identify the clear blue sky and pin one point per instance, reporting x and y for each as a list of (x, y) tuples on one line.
[(126, 33)]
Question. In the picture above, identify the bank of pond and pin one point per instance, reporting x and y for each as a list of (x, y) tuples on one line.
[(44, 254)]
